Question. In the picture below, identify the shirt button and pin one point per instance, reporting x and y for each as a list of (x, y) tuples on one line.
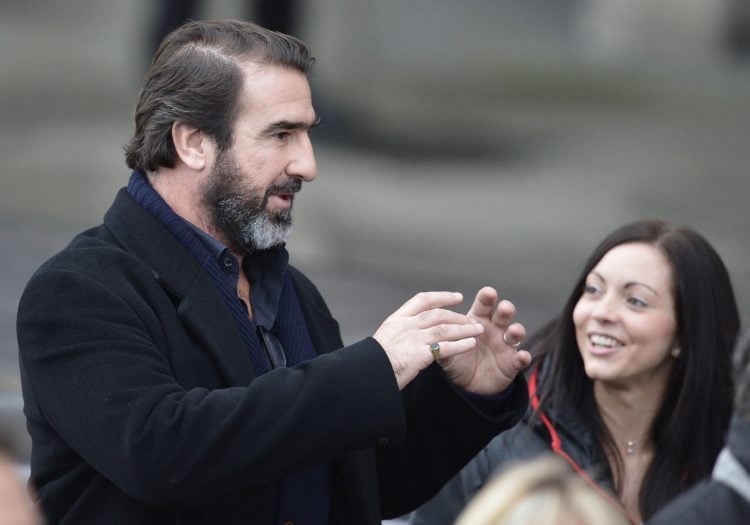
[(228, 262), (383, 441)]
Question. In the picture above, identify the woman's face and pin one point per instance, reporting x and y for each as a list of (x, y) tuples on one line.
[(625, 320)]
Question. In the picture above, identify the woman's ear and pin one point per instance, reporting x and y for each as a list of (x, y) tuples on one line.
[(193, 147)]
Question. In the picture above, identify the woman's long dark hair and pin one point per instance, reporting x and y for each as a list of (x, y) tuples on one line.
[(689, 428)]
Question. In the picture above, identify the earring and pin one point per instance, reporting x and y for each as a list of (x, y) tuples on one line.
[(675, 352)]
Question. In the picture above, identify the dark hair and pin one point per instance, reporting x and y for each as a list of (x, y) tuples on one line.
[(688, 430), (195, 78)]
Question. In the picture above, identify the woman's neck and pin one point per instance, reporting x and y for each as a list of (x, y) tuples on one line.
[(627, 413)]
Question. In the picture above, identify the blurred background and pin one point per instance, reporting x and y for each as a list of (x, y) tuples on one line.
[(463, 143)]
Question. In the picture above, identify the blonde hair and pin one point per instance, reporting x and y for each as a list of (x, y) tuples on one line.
[(541, 491)]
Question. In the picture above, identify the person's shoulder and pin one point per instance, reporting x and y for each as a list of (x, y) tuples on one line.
[(312, 302), (298, 277), (508, 447), (94, 247), (707, 502), (304, 285), (523, 441), (87, 274), (92, 256)]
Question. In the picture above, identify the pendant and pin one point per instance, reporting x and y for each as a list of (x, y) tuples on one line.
[(630, 447)]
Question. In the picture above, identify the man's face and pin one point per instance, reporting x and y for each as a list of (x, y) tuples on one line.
[(248, 196)]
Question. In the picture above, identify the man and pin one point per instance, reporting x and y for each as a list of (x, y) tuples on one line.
[(725, 498), (176, 369)]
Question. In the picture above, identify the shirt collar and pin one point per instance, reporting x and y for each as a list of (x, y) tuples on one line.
[(265, 269), (220, 252)]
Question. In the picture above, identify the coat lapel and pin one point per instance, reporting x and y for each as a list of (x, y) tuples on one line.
[(199, 305), (207, 317)]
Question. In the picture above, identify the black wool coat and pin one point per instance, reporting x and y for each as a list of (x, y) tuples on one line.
[(143, 407)]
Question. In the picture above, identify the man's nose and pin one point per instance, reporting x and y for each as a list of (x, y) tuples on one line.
[(302, 163)]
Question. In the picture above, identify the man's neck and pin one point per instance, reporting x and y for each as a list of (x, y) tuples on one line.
[(243, 292), (181, 190)]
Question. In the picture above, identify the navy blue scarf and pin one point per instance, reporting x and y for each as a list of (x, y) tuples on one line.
[(304, 496)]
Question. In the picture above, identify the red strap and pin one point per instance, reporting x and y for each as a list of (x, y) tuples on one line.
[(556, 446)]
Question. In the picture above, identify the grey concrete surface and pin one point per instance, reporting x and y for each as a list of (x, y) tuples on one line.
[(528, 188)]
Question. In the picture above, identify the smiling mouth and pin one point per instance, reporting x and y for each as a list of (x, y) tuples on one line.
[(604, 341)]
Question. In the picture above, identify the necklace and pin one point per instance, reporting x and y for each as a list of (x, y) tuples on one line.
[(632, 445)]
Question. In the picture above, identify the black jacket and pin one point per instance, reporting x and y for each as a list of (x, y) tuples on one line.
[(143, 407), (526, 440)]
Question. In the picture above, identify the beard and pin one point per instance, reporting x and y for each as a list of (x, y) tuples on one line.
[(239, 213)]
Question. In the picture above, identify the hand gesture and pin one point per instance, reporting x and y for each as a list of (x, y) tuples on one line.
[(491, 366), (406, 335)]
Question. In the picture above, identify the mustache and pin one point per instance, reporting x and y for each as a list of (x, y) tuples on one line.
[(289, 186)]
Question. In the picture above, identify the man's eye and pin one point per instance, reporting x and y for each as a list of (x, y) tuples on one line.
[(282, 135)]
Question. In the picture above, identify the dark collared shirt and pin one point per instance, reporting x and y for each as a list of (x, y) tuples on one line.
[(264, 269)]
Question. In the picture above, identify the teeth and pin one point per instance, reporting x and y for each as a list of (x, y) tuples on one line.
[(603, 340)]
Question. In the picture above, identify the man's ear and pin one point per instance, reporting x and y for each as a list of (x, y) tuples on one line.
[(194, 148)]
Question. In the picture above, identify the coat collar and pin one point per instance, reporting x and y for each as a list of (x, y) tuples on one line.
[(567, 431)]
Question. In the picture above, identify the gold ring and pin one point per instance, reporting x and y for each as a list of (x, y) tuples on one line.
[(435, 349)]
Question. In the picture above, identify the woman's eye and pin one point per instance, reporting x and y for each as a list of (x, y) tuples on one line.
[(637, 302), (590, 289)]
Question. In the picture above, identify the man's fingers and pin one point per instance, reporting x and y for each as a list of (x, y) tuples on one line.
[(514, 334), (521, 360), (440, 316), (504, 314), (453, 332), (450, 349), (424, 301), (484, 303)]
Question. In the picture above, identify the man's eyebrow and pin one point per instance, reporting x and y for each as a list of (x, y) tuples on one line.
[(289, 125)]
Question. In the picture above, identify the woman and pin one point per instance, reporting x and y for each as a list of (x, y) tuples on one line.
[(631, 384)]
